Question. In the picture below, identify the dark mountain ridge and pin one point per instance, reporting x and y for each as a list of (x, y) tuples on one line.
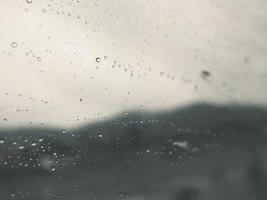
[(182, 150)]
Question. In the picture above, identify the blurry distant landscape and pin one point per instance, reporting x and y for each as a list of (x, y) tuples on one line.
[(113, 70), (200, 152)]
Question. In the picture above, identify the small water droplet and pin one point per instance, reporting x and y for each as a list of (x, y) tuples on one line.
[(98, 60), (182, 144), (14, 44), (205, 74), (44, 10), (29, 1)]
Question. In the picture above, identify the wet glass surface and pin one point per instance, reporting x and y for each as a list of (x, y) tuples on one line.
[(135, 100)]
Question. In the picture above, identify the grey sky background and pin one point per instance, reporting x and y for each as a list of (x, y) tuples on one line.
[(151, 55)]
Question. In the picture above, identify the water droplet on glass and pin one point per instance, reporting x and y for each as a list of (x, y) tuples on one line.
[(39, 59), (182, 144), (44, 10), (14, 44), (98, 60), (29, 1), (205, 74)]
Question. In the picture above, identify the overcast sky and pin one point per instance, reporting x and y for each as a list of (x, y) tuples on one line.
[(67, 62)]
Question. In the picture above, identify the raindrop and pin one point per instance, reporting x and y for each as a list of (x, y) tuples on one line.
[(44, 10), (39, 59), (29, 1), (98, 60), (14, 44), (205, 74), (183, 144)]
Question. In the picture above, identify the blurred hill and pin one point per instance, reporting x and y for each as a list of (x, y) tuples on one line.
[(197, 152)]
